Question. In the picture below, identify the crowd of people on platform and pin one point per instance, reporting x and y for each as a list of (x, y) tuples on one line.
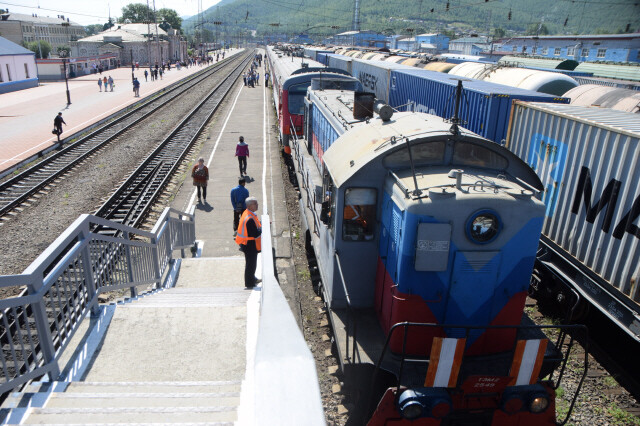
[(251, 77)]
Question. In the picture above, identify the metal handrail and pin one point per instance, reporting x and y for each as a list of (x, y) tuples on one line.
[(307, 182), (64, 282), (563, 331), (351, 318)]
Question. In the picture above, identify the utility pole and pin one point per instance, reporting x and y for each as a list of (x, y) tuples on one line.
[(356, 16), (155, 21), (148, 34)]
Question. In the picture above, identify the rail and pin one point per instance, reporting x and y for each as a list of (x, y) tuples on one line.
[(307, 182), (567, 335), (286, 382), (64, 282)]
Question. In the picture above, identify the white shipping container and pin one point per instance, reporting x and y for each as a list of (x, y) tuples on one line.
[(589, 162), (375, 75)]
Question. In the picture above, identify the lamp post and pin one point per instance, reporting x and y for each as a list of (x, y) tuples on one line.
[(133, 77), (63, 54)]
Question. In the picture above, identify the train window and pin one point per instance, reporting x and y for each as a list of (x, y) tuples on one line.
[(328, 209), (469, 154), (424, 154), (359, 214), (297, 92)]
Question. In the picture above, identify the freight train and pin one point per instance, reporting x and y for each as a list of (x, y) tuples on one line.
[(425, 235), (488, 109)]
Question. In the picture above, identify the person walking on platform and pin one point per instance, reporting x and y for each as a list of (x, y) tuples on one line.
[(248, 238), (266, 80), (244, 78), (242, 152), (110, 81), (100, 84), (200, 175), (146, 73), (136, 88), (57, 125), (161, 72), (238, 196), (105, 82)]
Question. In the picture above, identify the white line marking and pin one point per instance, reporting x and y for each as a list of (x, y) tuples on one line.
[(264, 150), (215, 146)]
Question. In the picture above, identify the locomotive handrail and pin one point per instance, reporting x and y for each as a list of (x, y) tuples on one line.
[(563, 331), (64, 282), (350, 316), (307, 182)]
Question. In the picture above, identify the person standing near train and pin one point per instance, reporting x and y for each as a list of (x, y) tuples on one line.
[(248, 238), (239, 194), (242, 152), (200, 175)]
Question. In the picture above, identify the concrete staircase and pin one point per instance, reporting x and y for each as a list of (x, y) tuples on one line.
[(211, 402), (176, 355)]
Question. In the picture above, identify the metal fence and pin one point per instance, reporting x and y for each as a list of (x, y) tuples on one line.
[(64, 282)]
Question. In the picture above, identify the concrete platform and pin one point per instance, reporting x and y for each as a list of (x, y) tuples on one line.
[(186, 354), (26, 116)]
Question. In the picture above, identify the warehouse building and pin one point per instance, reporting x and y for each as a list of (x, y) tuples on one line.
[(581, 48)]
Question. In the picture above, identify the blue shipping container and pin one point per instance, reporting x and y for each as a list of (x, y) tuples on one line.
[(484, 109), (322, 58)]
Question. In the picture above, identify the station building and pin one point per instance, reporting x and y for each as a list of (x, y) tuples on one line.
[(21, 28), (580, 48), (53, 69), (134, 43), (17, 67)]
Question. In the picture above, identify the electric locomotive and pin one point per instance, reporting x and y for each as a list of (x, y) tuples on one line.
[(425, 236)]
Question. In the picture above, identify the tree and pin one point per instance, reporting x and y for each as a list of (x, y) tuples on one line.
[(136, 13), (65, 49), (537, 29), (171, 17), (498, 33), (93, 29), (38, 46)]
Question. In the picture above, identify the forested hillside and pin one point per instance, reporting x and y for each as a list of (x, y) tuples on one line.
[(321, 17)]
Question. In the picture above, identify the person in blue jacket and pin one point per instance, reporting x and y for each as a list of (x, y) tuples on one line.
[(238, 196)]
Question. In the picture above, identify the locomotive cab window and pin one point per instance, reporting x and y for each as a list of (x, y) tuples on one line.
[(297, 92), (359, 214), (469, 154)]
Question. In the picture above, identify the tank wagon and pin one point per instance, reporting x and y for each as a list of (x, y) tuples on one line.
[(588, 161), (538, 81), (605, 97), (418, 224), (291, 76)]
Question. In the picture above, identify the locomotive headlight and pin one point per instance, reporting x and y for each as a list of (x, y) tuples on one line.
[(538, 403), (483, 226), (424, 402)]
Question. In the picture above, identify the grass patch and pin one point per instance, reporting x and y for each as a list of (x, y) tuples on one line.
[(304, 274), (610, 382), (65, 195), (621, 417)]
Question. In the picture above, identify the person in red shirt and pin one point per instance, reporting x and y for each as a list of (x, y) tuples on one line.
[(200, 175)]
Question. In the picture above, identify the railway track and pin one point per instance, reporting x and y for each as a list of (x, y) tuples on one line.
[(129, 204), (18, 189)]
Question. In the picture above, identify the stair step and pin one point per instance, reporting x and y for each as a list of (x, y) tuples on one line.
[(222, 386), (131, 415), (142, 400)]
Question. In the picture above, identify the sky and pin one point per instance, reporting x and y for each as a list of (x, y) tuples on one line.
[(86, 12)]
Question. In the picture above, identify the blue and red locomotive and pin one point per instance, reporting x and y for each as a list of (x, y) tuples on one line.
[(425, 236)]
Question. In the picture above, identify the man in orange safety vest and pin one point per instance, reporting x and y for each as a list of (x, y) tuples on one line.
[(248, 237)]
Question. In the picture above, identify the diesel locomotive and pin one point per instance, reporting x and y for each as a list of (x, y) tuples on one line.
[(425, 235)]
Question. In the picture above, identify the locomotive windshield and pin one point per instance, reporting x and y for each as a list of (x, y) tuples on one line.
[(424, 154), (469, 154), (297, 92)]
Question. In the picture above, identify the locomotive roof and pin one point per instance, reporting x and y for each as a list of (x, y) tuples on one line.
[(366, 143)]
